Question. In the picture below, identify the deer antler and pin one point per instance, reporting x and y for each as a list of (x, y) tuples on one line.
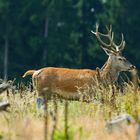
[(121, 46), (110, 36)]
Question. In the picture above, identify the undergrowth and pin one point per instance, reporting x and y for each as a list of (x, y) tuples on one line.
[(23, 121)]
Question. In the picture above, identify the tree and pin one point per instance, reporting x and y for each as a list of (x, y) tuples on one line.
[(5, 7)]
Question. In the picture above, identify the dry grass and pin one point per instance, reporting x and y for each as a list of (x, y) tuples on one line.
[(86, 120)]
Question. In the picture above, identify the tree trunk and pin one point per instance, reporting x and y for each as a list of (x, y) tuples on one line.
[(84, 37), (45, 45), (6, 48)]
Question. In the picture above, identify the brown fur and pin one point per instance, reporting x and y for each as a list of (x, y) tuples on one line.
[(60, 79)]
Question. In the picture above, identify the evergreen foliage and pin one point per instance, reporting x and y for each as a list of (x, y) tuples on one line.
[(57, 33)]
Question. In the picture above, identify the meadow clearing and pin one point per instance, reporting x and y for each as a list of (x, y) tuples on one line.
[(86, 121), (73, 34)]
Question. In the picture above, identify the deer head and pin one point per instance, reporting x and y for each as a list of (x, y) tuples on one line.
[(114, 51)]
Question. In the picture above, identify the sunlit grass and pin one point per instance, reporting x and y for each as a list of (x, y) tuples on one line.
[(86, 120)]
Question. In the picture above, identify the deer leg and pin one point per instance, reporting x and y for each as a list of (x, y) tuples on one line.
[(46, 121), (46, 114), (54, 118), (42, 96), (40, 102), (66, 121)]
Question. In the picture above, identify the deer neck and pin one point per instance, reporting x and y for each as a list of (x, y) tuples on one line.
[(109, 72)]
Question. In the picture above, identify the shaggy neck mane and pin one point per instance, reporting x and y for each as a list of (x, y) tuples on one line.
[(108, 72)]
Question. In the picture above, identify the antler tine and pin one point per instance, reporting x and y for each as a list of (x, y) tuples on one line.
[(97, 34), (109, 29), (121, 46), (109, 32), (111, 38), (110, 35), (97, 31), (97, 26)]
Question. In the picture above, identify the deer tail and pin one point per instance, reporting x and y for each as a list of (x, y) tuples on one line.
[(29, 72)]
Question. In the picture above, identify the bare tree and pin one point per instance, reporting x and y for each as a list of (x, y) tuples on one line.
[(49, 4), (6, 50)]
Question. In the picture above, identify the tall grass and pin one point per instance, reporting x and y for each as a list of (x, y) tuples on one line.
[(86, 121)]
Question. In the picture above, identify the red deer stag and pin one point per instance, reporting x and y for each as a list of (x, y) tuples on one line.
[(64, 82)]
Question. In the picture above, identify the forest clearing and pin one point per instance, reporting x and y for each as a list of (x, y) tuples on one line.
[(83, 86)]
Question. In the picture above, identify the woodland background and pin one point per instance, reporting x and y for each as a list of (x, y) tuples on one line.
[(57, 33)]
